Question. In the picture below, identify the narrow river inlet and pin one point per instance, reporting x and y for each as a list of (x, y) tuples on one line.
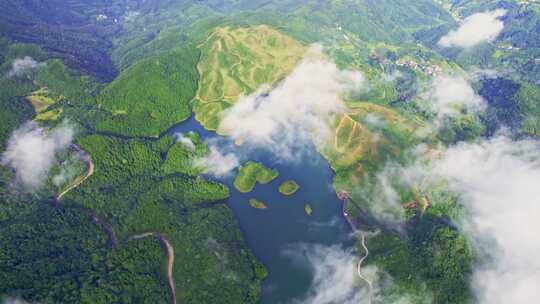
[(269, 233)]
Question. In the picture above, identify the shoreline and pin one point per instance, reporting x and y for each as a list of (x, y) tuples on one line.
[(344, 197)]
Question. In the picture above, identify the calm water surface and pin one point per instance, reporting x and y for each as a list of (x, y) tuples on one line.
[(284, 224)]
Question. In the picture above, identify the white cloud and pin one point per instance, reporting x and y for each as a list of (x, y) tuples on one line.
[(449, 94), (395, 75), (475, 29), (387, 205), (374, 120), (185, 141), (23, 65), (480, 73), (385, 202), (217, 162), (31, 151), (336, 279), (285, 118), (69, 169), (498, 182)]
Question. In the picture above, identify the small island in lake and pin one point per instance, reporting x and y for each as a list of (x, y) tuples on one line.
[(308, 209), (289, 187), (255, 203), (251, 173)]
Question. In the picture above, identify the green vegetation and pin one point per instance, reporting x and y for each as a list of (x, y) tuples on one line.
[(434, 255), (512, 104), (308, 209), (251, 173), (364, 139), (54, 255), (179, 56), (180, 156), (289, 187), (41, 102), (515, 47), (15, 111), (50, 90), (257, 204), (236, 62), (69, 31), (139, 185), (15, 108), (131, 191), (151, 96)]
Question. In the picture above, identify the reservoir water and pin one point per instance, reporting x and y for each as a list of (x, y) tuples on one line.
[(271, 232)]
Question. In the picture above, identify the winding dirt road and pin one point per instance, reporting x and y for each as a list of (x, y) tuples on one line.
[(109, 229), (344, 197), (170, 258), (80, 179), (359, 268), (170, 265)]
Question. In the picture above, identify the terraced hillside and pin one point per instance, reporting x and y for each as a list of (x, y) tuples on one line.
[(236, 62), (365, 139), (360, 135)]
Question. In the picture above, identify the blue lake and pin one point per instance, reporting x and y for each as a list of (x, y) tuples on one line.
[(285, 223)]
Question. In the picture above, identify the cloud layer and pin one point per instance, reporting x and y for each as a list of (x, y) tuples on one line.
[(336, 279), (285, 118), (218, 162), (334, 275), (475, 29), (449, 94), (498, 183), (185, 141), (23, 65), (31, 152)]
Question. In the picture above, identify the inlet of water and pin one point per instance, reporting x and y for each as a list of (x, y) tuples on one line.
[(285, 223)]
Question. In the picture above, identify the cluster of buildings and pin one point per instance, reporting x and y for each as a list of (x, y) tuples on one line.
[(429, 70)]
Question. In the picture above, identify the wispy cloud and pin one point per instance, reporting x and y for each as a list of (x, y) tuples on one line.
[(22, 65), (495, 181), (475, 29), (70, 168), (284, 119), (498, 183), (185, 141), (449, 94), (336, 279), (334, 275), (219, 161), (395, 75), (31, 152)]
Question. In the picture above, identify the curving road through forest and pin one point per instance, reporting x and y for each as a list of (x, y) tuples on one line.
[(359, 267), (169, 249), (80, 179), (344, 197), (170, 258)]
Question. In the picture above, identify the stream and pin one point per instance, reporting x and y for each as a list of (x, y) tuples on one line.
[(268, 233)]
